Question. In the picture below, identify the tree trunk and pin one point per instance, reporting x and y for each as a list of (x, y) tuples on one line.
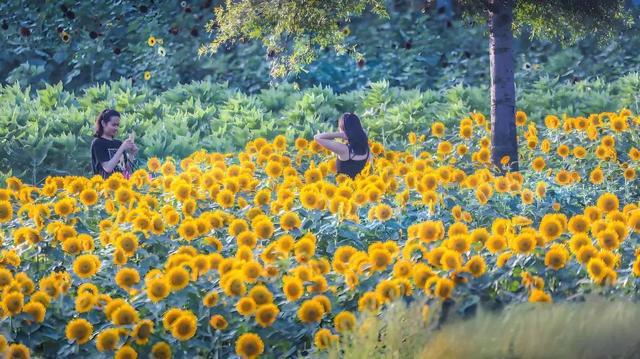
[(504, 140)]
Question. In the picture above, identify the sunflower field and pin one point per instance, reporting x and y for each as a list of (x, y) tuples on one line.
[(265, 252)]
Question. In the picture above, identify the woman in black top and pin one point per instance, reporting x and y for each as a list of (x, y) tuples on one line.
[(109, 155), (353, 156)]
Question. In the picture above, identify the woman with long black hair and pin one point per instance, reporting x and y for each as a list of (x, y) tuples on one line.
[(353, 156), (108, 154)]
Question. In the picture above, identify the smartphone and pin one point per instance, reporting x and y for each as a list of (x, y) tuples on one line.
[(132, 135)]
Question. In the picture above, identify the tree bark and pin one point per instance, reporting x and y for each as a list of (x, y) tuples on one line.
[(504, 140)]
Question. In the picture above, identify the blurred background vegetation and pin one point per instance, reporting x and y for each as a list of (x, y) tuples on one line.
[(64, 61), (49, 132), (423, 45)]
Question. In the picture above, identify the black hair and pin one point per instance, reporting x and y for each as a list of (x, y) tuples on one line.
[(105, 116), (358, 140)]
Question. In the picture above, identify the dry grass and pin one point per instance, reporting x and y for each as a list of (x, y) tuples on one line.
[(399, 332), (593, 329)]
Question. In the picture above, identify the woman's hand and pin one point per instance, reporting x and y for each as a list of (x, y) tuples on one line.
[(127, 145), (134, 150)]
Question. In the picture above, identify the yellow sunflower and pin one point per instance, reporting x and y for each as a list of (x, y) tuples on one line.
[(249, 345), (108, 340), (79, 330), (290, 221), (344, 322), (89, 197), (86, 265), (184, 327), (218, 322), (246, 306)]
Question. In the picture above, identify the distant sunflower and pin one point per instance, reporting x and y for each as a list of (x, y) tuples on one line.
[(125, 315), (323, 339), (597, 269), (383, 212), (79, 330), (211, 299), (36, 310), (89, 197), (65, 36), (64, 207), (127, 277), (161, 350), (444, 288), (246, 306), (368, 301), (86, 265), (188, 230), (289, 221), (344, 322), (126, 351), (264, 228), (249, 345), (539, 296), (310, 311), (12, 303), (292, 288), (608, 202), (476, 266), (184, 328), (107, 340), (17, 351), (218, 322), (178, 278), (524, 243)]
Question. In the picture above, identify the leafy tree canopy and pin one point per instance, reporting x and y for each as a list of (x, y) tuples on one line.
[(294, 31), (291, 30)]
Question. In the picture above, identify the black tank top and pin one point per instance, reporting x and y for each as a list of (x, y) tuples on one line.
[(351, 167)]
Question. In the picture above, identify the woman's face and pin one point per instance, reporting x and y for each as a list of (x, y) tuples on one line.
[(110, 128), (341, 124)]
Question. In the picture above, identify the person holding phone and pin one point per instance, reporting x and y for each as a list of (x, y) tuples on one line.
[(108, 154)]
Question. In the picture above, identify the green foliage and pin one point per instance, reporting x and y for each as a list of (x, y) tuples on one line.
[(49, 132), (550, 18), (80, 43), (292, 30), (413, 48)]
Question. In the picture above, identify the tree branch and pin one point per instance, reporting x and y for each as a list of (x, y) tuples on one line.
[(489, 6)]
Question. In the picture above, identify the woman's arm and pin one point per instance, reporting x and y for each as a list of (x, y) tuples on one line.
[(330, 135), (325, 140), (111, 164)]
